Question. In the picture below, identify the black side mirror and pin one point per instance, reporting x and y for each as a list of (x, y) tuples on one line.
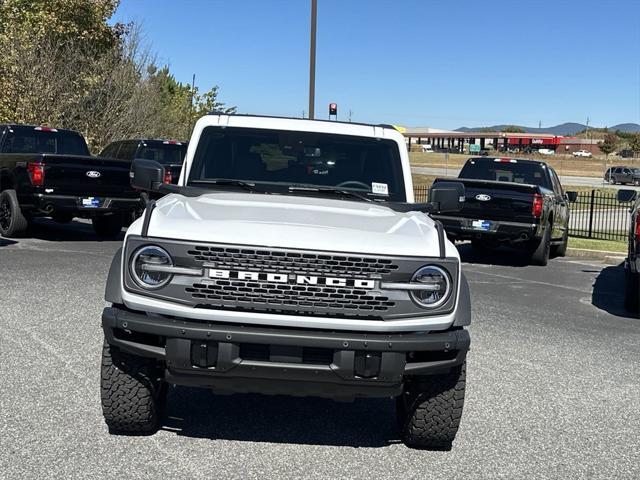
[(146, 174), (626, 195), (571, 196), (447, 197)]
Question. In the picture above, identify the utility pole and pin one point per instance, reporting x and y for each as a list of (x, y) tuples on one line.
[(193, 87), (350, 112), (312, 59)]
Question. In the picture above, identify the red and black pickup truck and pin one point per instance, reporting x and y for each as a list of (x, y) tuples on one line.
[(48, 172), (515, 202)]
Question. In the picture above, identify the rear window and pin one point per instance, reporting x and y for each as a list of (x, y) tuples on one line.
[(498, 171), (165, 154), (32, 140)]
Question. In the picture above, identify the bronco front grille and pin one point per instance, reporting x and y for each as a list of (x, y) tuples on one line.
[(272, 297), (292, 262)]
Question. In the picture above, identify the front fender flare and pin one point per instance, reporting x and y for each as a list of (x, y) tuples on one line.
[(113, 290)]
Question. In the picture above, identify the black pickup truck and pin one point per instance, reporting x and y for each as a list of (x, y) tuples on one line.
[(632, 262), (169, 153), (515, 202), (48, 172)]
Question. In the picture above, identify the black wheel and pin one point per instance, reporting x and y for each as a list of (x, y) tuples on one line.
[(132, 392), (12, 221), (430, 408), (62, 217), (561, 250), (107, 226), (632, 291), (540, 253)]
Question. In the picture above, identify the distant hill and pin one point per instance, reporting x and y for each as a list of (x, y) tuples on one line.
[(565, 129)]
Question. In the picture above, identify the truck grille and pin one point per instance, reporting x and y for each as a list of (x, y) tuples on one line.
[(263, 296), (292, 262)]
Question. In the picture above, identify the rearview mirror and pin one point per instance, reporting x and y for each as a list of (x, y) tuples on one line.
[(626, 195), (146, 174), (447, 197), (571, 196)]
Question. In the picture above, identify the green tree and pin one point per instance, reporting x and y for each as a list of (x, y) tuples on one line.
[(634, 144), (609, 144), (512, 129)]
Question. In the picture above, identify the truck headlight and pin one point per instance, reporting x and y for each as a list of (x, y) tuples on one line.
[(436, 283), (150, 265)]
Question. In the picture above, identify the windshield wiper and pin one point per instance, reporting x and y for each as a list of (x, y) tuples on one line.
[(337, 191), (226, 182)]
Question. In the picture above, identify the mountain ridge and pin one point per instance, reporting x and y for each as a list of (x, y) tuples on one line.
[(564, 129)]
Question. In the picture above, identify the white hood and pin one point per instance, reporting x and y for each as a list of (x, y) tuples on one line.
[(298, 222)]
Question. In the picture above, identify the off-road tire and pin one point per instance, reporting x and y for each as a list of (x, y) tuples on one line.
[(12, 222), (561, 250), (107, 226), (540, 254), (430, 408), (632, 291), (132, 392)]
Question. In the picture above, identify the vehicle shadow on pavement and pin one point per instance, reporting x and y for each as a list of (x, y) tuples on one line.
[(5, 242), (200, 413), (75, 231), (502, 256), (608, 292)]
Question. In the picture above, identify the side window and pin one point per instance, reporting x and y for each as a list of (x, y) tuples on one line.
[(557, 186), (109, 151), (127, 151)]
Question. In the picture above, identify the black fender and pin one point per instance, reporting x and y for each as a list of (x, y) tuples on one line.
[(113, 290), (463, 312)]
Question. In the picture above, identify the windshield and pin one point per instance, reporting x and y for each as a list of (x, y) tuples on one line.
[(275, 160), (164, 153), (506, 171), (34, 140)]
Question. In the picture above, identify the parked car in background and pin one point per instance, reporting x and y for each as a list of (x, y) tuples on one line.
[(632, 262), (169, 153), (626, 153), (511, 202), (48, 172), (582, 153), (427, 148), (546, 151), (623, 175)]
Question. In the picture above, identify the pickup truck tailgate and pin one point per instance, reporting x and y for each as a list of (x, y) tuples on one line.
[(490, 200), (81, 175)]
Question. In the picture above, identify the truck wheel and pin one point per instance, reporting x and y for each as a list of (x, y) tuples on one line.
[(132, 392), (12, 221), (632, 291), (540, 255), (107, 226), (430, 408), (561, 250)]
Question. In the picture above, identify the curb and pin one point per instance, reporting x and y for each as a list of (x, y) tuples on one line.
[(610, 258)]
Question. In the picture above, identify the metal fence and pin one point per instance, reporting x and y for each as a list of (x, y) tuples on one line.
[(597, 214)]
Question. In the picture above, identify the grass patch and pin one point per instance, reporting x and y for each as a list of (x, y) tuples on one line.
[(617, 246)]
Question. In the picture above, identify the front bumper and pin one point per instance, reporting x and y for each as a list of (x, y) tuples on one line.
[(240, 358), (47, 204), (461, 228)]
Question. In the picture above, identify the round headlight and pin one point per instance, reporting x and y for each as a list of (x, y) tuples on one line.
[(437, 286), (147, 267)]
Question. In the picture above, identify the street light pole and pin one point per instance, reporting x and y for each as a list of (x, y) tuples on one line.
[(312, 60)]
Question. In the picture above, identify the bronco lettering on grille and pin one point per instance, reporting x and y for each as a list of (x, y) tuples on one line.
[(292, 278)]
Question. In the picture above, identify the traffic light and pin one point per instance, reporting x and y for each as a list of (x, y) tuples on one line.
[(333, 109)]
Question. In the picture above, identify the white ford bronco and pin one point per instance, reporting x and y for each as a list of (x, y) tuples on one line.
[(291, 259)]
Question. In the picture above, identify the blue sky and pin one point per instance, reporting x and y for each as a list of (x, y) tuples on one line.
[(443, 64)]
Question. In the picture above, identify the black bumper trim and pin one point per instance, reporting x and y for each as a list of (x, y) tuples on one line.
[(235, 374)]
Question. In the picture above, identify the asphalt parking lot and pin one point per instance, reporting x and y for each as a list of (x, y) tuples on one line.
[(553, 385)]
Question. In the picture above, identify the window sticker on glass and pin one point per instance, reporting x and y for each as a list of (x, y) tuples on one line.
[(379, 188)]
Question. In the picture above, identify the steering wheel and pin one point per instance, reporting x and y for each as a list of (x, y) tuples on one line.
[(353, 183)]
